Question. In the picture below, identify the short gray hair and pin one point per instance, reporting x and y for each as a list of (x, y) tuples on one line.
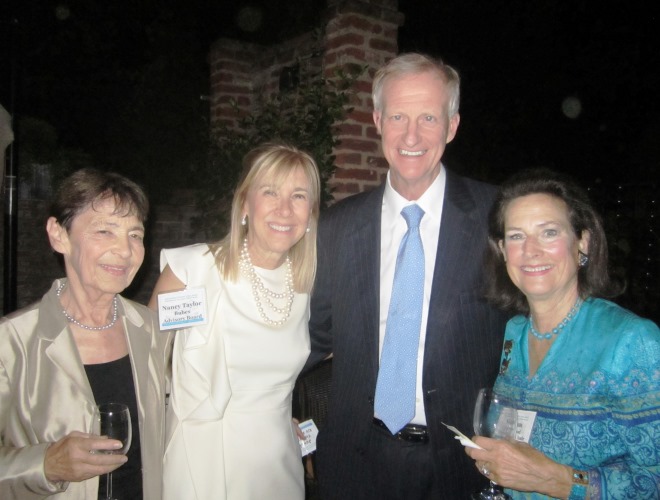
[(414, 64), (88, 186)]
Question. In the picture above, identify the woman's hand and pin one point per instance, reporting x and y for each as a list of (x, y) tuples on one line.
[(75, 458), (296, 427), (520, 467)]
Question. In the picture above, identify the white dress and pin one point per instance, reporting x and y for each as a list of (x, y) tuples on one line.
[(229, 429)]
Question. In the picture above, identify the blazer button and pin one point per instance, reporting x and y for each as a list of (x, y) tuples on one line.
[(371, 399)]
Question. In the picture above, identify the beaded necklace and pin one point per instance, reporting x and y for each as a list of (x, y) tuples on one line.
[(557, 329), (260, 291), (73, 320)]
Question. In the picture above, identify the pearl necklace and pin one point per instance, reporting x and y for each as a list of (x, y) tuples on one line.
[(259, 290), (557, 329), (73, 320)]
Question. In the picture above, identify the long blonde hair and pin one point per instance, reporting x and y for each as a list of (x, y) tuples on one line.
[(275, 161)]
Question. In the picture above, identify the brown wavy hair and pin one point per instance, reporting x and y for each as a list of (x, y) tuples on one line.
[(88, 186), (593, 279)]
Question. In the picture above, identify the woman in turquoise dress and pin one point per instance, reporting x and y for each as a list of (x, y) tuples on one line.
[(585, 371)]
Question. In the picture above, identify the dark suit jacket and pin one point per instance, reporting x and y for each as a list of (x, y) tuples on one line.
[(463, 340)]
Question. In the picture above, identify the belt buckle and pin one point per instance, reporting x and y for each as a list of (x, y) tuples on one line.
[(413, 434)]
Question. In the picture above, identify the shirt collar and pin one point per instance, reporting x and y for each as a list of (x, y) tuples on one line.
[(430, 201)]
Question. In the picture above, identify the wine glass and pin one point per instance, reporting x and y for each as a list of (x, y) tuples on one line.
[(115, 420), (494, 418)]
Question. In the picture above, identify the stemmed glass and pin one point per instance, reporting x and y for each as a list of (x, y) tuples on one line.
[(115, 420), (494, 418)]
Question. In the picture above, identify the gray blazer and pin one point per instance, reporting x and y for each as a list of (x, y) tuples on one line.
[(463, 338), (45, 394)]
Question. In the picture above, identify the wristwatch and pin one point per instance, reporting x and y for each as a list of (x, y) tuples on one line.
[(580, 483)]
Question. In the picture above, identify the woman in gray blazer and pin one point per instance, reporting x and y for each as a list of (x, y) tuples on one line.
[(82, 345)]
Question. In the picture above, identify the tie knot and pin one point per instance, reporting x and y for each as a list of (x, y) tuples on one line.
[(413, 214)]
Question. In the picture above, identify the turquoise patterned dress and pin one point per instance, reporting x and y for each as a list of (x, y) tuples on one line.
[(597, 398)]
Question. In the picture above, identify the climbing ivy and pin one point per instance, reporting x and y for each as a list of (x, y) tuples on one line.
[(305, 116)]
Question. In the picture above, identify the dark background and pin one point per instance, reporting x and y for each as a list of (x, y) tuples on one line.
[(569, 85), (122, 80), (521, 60)]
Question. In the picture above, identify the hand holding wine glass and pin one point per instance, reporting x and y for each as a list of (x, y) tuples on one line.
[(75, 457), (115, 423), (498, 419)]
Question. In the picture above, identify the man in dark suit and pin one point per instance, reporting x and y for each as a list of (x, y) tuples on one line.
[(416, 113)]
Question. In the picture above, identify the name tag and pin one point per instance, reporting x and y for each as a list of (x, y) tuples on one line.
[(182, 309), (309, 429), (525, 423)]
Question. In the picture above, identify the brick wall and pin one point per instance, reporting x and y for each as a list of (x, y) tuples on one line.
[(362, 32), (355, 32)]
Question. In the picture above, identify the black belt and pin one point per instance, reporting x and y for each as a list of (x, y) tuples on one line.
[(411, 432)]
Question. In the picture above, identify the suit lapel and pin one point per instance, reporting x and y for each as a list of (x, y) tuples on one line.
[(456, 244), (139, 345), (146, 362), (57, 343), (364, 249)]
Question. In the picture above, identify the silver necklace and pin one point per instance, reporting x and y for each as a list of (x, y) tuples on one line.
[(262, 292), (73, 320), (557, 329)]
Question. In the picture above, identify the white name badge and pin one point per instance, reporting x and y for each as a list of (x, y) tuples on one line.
[(525, 423), (309, 429), (182, 309)]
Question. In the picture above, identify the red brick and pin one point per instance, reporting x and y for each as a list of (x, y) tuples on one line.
[(372, 133), (365, 117), (351, 188), (346, 39), (348, 159), (384, 45), (357, 174), (359, 23), (378, 162), (359, 145), (349, 129), (362, 86)]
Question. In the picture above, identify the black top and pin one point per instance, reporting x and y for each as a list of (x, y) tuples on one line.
[(113, 383)]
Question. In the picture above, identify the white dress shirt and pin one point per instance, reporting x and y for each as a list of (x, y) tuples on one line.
[(393, 228)]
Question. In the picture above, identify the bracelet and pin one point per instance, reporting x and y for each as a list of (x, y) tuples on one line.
[(580, 483)]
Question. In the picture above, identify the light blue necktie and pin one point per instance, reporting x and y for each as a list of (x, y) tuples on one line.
[(395, 389)]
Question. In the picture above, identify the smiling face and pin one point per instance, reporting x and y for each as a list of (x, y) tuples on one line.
[(102, 250), (415, 128), (278, 214), (541, 249)]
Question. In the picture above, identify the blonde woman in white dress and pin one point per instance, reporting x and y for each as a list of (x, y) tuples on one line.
[(229, 434)]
